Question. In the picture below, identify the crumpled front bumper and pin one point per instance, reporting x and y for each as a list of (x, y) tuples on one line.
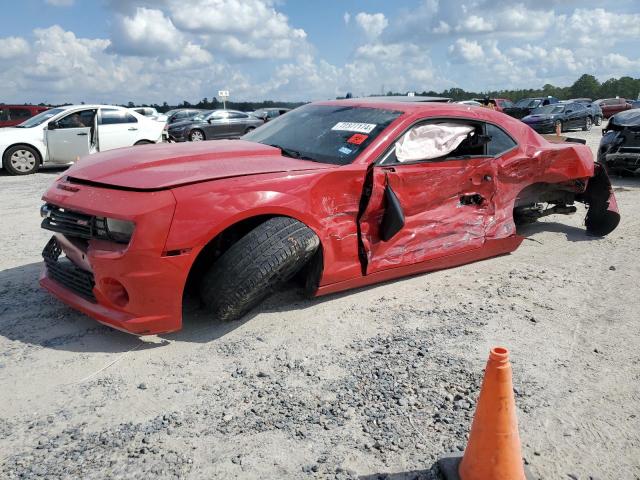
[(136, 288)]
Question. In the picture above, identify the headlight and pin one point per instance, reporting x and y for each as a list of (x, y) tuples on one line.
[(119, 231)]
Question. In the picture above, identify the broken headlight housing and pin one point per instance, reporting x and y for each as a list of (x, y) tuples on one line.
[(119, 231)]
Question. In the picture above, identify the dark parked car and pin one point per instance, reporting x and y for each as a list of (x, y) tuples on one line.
[(634, 103), (619, 148), (181, 114), (267, 114), (11, 115), (594, 108), (525, 106), (611, 106), (212, 125), (567, 115)]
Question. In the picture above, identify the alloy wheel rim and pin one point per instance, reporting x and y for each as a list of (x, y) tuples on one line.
[(23, 160), (196, 137)]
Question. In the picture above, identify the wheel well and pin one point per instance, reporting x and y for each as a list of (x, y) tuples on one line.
[(218, 245), (540, 193), (35, 149)]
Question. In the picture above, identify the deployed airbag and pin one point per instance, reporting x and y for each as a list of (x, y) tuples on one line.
[(431, 141)]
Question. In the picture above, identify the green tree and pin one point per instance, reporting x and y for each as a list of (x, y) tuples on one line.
[(586, 86)]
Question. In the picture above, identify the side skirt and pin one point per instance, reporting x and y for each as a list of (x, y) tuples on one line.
[(491, 248)]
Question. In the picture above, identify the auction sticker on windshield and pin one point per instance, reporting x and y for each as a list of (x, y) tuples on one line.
[(354, 127)]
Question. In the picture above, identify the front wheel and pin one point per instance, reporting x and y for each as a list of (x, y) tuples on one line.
[(256, 265), (144, 142), (587, 124), (196, 136), (598, 120), (21, 160)]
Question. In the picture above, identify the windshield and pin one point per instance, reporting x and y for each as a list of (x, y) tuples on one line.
[(528, 103), (40, 118), (549, 109), (199, 116), (333, 134)]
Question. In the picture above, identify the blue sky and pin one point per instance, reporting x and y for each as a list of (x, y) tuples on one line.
[(155, 50)]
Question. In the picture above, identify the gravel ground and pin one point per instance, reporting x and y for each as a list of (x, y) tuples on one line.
[(374, 383)]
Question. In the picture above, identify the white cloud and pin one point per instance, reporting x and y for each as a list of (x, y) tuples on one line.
[(467, 51), (373, 24), (60, 3), (12, 47), (148, 33), (347, 18), (475, 24), (250, 29), (442, 27)]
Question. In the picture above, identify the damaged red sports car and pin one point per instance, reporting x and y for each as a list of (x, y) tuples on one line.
[(339, 194)]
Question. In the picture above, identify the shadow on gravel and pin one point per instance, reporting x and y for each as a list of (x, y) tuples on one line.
[(429, 474), (573, 234), (30, 315), (44, 170), (625, 182)]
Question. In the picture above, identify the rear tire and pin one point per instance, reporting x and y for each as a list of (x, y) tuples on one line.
[(21, 160), (598, 121), (587, 124), (256, 265), (196, 136)]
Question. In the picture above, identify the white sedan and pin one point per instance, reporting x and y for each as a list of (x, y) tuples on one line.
[(62, 135)]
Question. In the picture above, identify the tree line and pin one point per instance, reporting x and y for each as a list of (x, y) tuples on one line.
[(586, 86)]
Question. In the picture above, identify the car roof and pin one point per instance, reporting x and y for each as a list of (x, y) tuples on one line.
[(399, 99), (435, 108)]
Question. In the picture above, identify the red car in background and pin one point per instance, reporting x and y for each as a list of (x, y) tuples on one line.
[(611, 106), (337, 194), (11, 115), (502, 103)]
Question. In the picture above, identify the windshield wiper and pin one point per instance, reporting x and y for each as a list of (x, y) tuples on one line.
[(288, 152)]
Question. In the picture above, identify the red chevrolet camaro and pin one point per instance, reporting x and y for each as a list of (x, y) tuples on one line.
[(338, 194)]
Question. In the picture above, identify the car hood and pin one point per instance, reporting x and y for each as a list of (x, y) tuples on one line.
[(162, 166), (628, 118), (539, 117), (14, 134)]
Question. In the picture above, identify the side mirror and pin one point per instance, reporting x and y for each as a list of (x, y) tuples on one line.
[(52, 126), (393, 217), (209, 120), (569, 111)]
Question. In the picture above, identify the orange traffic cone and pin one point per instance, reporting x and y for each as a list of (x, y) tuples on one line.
[(493, 451)]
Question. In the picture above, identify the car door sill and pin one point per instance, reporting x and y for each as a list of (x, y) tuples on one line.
[(491, 248)]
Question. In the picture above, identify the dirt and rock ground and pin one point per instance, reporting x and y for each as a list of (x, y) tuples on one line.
[(374, 383)]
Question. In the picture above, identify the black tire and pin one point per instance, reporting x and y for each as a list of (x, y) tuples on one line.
[(249, 129), (28, 163), (588, 123), (255, 266), (197, 135), (598, 121), (143, 142)]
